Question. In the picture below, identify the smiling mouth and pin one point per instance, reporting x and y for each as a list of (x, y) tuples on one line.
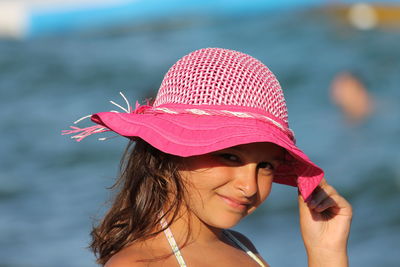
[(236, 204)]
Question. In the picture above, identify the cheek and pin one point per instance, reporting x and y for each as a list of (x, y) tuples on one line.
[(198, 185), (209, 178), (264, 189)]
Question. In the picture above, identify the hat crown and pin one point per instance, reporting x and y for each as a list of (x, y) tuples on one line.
[(215, 76)]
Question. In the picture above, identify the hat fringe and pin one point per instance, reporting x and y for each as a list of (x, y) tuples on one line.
[(82, 133)]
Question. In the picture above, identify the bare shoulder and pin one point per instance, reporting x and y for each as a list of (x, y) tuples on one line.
[(244, 240), (249, 245), (125, 258), (144, 253)]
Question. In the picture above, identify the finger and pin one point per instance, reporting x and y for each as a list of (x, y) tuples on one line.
[(325, 204), (303, 204), (303, 207), (320, 194), (335, 204), (342, 206), (323, 182)]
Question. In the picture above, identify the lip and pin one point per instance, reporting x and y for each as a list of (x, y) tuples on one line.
[(234, 203)]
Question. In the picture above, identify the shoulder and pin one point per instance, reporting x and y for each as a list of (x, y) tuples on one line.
[(125, 258), (244, 240), (249, 245), (144, 253), (117, 261)]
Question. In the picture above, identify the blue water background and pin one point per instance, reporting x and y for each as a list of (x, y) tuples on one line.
[(52, 188)]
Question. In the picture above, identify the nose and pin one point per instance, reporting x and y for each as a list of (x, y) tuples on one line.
[(246, 180)]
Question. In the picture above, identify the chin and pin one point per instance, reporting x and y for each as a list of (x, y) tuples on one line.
[(224, 221)]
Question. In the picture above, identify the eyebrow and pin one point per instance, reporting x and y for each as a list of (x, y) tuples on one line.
[(277, 158)]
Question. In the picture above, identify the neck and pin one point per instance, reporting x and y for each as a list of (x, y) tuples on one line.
[(187, 228)]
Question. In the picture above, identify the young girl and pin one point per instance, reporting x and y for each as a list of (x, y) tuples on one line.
[(202, 157)]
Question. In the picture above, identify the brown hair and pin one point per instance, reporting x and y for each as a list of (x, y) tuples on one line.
[(147, 178)]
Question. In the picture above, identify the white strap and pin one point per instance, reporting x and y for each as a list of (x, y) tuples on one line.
[(243, 247), (178, 255), (172, 243)]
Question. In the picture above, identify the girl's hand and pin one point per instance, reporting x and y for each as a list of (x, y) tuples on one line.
[(325, 225)]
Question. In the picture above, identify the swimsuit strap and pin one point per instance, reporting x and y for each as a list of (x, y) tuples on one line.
[(243, 247), (178, 255), (172, 243)]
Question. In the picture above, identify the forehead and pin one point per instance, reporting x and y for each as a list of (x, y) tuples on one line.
[(261, 149), (253, 152)]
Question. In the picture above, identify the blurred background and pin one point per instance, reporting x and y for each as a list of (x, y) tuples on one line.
[(338, 62)]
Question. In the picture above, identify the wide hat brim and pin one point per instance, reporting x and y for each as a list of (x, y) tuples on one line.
[(189, 135)]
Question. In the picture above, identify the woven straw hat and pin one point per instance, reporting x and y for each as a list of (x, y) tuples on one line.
[(209, 100)]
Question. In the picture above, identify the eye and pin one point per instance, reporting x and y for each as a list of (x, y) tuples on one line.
[(266, 166), (230, 158)]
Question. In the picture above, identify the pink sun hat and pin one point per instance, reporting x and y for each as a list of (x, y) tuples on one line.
[(209, 100)]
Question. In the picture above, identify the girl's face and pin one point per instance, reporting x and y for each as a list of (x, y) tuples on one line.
[(226, 185)]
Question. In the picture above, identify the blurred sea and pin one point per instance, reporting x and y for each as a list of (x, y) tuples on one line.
[(52, 188)]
